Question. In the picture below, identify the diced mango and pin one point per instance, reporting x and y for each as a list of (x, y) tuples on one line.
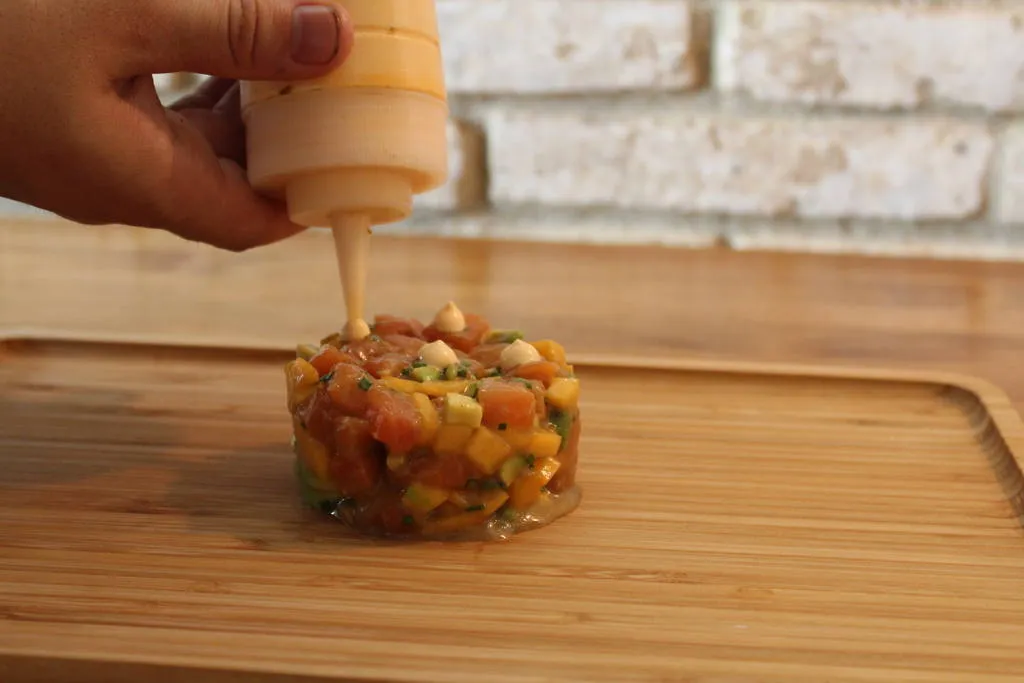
[(429, 419), (461, 410), (564, 393), (421, 499), (512, 468), (491, 503), (545, 444), (433, 389), (311, 452), (302, 380), (518, 439), (526, 490), (487, 450), (550, 350), (452, 439)]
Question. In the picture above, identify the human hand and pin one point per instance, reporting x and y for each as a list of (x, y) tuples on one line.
[(84, 135)]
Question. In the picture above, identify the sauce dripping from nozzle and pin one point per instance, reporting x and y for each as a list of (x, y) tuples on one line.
[(352, 233)]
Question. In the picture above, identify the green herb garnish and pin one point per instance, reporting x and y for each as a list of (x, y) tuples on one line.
[(328, 377), (475, 508), (365, 383), (472, 390), (407, 520), (502, 427)]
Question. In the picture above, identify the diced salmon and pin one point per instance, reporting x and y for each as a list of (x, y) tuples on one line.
[(348, 389), (488, 355), (508, 403), (319, 415), (404, 344), (443, 471), (543, 371), (357, 464), (385, 325), (394, 419), (388, 365), (465, 340), (325, 360)]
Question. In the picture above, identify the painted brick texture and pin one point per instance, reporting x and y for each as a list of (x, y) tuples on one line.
[(870, 126)]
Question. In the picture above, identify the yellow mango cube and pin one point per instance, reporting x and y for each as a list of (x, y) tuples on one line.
[(550, 350), (491, 503), (422, 499), (301, 381), (545, 444), (518, 439), (487, 450), (432, 389), (452, 439), (429, 420), (526, 490), (564, 393), (312, 453)]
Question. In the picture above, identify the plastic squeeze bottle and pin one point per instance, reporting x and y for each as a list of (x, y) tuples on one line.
[(351, 149)]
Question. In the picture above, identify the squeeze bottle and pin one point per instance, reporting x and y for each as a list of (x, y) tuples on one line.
[(349, 150)]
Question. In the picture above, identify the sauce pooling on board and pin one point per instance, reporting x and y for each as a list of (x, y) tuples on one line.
[(443, 430)]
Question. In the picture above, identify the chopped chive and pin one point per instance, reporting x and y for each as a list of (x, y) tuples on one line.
[(502, 427), (328, 377), (475, 508), (365, 383), (407, 520), (418, 364), (472, 390), (375, 338), (530, 460)]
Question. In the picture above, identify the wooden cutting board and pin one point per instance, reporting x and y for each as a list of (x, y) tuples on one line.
[(738, 524)]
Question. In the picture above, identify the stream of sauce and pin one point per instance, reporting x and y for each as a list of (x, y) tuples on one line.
[(352, 233)]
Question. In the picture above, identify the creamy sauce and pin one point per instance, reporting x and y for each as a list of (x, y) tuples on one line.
[(352, 234)]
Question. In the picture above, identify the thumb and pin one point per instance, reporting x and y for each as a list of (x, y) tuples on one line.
[(244, 39)]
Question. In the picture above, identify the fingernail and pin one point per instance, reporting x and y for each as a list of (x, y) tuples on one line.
[(316, 34)]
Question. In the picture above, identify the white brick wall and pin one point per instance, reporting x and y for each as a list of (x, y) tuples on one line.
[(875, 126)]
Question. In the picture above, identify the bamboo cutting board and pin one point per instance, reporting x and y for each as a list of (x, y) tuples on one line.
[(738, 524)]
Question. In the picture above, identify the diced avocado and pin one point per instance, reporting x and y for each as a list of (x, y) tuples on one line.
[(422, 499), (512, 468), (562, 423), (306, 351), (315, 494), (503, 337), (427, 373), (462, 410), (456, 371)]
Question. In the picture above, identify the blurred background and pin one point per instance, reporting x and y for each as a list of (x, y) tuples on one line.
[(890, 128)]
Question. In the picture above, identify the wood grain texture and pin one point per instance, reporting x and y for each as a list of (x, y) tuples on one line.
[(116, 283), (746, 525)]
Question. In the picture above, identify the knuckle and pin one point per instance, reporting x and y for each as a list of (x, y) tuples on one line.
[(243, 27)]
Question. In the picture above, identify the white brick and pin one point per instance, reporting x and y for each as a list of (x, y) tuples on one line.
[(1010, 190), (556, 46), (465, 186), (871, 54), (895, 169)]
